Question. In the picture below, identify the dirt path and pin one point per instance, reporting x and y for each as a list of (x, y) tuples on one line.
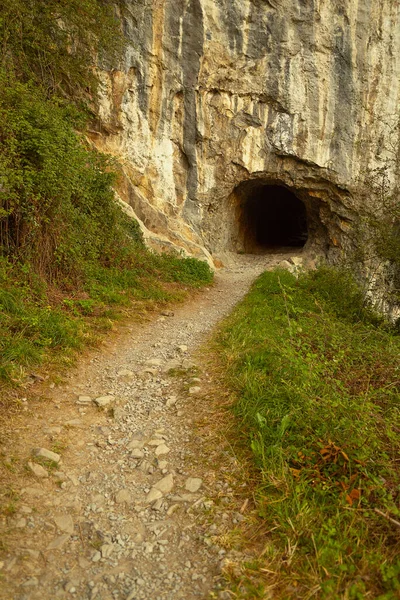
[(127, 513)]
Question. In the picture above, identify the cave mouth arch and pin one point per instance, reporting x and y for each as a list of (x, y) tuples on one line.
[(271, 216)]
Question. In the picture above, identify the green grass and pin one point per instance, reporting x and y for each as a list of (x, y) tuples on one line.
[(41, 323), (316, 379)]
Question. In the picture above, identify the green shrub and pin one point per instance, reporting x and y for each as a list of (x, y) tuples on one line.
[(185, 270), (54, 44), (338, 289), (56, 193), (376, 253)]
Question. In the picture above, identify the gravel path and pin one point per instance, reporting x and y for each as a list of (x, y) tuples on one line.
[(121, 512)]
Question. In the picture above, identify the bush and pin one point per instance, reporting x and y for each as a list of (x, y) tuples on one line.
[(341, 292), (56, 193), (54, 44)]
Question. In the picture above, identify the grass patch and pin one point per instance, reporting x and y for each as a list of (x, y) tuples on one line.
[(316, 381), (40, 323)]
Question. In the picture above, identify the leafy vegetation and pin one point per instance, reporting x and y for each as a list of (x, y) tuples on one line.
[(316, 380), (68, 253), (55, 192), (43, 322), (56, 44), (376, 256)]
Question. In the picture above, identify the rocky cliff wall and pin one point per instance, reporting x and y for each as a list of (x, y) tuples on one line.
[(216, 97)]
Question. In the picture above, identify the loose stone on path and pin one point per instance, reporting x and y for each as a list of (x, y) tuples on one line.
[(161, 450), (58, 542), (64, 523), (193, 484), (165, 484), (103, 401), (84, 400), (123, 496), (153, 495), (136, 453), (195, 390), (46, 454), (38, 470)]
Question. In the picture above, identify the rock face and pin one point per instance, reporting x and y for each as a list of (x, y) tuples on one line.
[(218, 99)]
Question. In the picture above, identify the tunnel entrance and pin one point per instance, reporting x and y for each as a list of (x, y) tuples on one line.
[(271, 217)]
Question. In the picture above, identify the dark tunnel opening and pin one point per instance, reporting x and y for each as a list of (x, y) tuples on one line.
[(272, 216)]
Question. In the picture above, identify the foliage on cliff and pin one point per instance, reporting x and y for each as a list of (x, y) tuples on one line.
[(376, 255), (56, 193), (55, 44), (68, 253), (316, 382)]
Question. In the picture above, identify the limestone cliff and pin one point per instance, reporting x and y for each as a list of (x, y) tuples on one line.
[(216, 93)]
